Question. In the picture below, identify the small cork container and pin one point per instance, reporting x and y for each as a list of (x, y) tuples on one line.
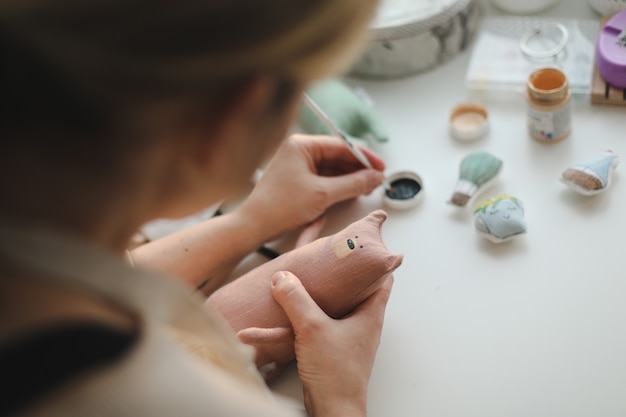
[(549, 116), (468, 121)]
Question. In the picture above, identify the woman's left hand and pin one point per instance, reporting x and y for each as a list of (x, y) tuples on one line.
[(307, 175)]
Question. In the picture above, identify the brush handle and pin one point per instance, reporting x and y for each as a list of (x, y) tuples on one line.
[(358, 154), (336, 131)]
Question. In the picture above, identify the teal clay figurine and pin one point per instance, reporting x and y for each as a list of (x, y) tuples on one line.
[(349, 112), (500, 218), (592, 177), (477, 170)]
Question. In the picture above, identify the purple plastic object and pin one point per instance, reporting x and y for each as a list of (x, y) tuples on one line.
[(611, 51)]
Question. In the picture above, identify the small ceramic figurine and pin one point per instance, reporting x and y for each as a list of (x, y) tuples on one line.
[(500, 218), (477, 170), (357, 119), (338, 271), (592, 177)]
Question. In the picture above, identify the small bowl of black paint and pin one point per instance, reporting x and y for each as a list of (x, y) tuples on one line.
[(406, 190)]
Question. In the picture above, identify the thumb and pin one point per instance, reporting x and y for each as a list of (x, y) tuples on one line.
[(291, 295)]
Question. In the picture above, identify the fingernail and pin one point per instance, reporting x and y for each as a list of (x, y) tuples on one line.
[(376, 179), (277, 278)]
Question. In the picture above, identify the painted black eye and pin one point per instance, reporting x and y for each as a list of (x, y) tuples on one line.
[(350, 243)]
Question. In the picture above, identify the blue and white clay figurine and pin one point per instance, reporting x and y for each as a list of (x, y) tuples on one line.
[(500, 218), (477, 170), (592, 177)]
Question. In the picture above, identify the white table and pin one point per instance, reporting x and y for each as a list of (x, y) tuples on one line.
[(533, 327)]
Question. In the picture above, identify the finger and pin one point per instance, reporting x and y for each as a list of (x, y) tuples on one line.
[(375, 160), (258, 336), (379, 299), (291, 295), (332, 155), (347, 186), (329, 150)]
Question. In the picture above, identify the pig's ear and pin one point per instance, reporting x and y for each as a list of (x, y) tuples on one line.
[(274, 348)]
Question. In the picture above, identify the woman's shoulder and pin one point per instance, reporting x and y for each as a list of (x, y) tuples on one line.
[(149, 373)]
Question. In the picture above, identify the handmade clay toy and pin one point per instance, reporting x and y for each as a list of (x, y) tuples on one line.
[(592, 177), (339, 271), (500, 218), (350, 113), (477, 171)]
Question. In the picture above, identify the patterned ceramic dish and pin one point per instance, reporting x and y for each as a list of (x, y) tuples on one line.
[(409, 37)]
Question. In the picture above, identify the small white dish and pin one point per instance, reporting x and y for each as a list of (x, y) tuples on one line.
[(407, 190)]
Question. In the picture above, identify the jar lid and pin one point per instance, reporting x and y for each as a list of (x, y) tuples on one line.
[(468, 121), (407, 190)]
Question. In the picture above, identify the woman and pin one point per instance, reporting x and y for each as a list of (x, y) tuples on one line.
[(117, 112)]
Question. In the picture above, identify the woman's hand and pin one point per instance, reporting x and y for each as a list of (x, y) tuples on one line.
[(335, 357), (307, 175)]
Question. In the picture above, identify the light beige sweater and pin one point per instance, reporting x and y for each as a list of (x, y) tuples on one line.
[(158, 376)]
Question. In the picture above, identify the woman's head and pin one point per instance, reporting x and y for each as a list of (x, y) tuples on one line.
[(97, 82), (99, 58)]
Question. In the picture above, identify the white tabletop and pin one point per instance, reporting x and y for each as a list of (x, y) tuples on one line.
[(532, 327)]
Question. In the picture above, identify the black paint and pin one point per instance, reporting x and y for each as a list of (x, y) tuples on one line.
[(403, 189)]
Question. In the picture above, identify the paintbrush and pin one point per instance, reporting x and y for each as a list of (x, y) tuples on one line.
[(337, 132)]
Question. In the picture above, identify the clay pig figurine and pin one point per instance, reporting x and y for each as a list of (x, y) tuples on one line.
[(339, 271)]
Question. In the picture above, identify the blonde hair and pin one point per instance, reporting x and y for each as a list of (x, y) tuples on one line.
[(88, 62)]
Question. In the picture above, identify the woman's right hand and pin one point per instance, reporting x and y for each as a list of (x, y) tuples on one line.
[(306, 176), (335, 357)]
